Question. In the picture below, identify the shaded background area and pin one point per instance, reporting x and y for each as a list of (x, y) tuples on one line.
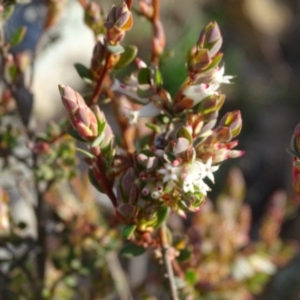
[(261, 46)]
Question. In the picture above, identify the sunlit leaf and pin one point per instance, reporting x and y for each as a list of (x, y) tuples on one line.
[(126, 57)]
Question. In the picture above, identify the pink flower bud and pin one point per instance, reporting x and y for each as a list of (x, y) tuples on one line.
[(211, 38), (81, 116), (233, 120), (118, 21)]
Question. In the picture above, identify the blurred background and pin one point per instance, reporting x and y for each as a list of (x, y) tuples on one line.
[(261, 47)]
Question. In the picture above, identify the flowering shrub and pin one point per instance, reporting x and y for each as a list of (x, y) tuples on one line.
[(153, 172)]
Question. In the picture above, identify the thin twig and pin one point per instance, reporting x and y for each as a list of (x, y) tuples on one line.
[(118, 276), (167, 262), (98, 88), (157, 32), (156, 11)]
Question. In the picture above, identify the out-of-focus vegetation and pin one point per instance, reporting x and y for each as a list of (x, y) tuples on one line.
[(59, 237)]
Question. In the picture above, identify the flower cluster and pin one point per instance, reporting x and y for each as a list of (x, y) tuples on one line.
[(188, 147), (174, 170)]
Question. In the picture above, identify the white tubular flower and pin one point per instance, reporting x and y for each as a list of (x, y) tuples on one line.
[(219, 78), (209, 169), (193, 177), (199, 92), (140, 63), (147, 111), (202, 187), (169, 172), (128, 90)]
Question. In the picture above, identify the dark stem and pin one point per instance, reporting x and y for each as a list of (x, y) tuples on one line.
[(169, 274)]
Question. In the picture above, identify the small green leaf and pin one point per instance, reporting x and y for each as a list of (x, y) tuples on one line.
[(94, 181), (126, 57), (183, 132), (115, 49), (18, 36), (101, 126), (154, 127), (144, 76), (215, 61), (98, 140), (130, 250), (162, 214), (74, 134), (191, 276), (128, 230), (184, 255), (158, 78), (109, 158), (83, 72), (86, 153)]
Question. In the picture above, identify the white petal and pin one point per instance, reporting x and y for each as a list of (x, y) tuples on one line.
[(128, 90)]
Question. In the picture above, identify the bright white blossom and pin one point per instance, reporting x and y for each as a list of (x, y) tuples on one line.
[(219, 78), (199, 92), (209, 169), (170, 172), (194, 175), (128, 90)]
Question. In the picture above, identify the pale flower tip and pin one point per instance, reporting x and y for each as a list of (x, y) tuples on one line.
[(115, 87), (140, 63), (181, 213), (61, 88), (131, 116)]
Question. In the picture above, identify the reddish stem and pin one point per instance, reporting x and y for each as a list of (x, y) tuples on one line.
[(100, 81), (155, 16), (104, 182), (129, 3)]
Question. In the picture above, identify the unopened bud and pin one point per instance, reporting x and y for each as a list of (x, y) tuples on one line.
[(159, 40), (233, 120), (197, 60), (93, 17), (118, 21), (211, 38), (81, 116)]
